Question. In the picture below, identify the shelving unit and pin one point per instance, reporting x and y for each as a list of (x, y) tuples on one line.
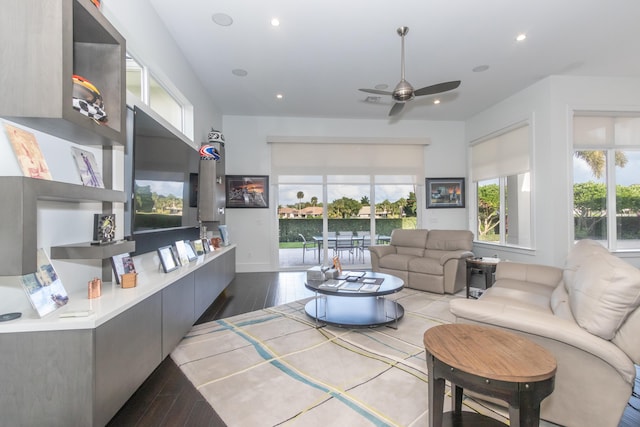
[(46, 45), (19, 213), (49, 43)]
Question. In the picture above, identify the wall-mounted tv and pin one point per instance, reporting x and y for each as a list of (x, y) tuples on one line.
[(163, 166)]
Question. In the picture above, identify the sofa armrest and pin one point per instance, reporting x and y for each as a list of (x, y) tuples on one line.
[(377, 252), (455, 255), (545, 326), (535, 273)]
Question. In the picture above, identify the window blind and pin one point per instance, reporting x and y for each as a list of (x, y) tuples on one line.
[(503, 155), (347, 159)]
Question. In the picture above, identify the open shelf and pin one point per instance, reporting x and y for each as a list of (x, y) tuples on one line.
[(19, 212), (50, 44)]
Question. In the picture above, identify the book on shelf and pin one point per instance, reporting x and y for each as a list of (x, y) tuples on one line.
[(27, 151), (44, 288), (87, 168)]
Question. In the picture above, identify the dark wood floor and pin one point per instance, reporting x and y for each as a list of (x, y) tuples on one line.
[(167, 398)]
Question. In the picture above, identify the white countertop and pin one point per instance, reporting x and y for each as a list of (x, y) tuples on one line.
[(113, 301)]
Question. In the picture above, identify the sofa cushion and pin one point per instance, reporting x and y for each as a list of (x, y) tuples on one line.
[(517, 298), (396, 261), (450, 240), (409, 238), (603, 293), (426, 266)]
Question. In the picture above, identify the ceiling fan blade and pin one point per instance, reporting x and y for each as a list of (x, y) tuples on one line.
[(377, 92), (397, 107), (440, 87)]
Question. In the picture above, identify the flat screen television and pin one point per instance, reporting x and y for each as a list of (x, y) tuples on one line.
[(162, 184)]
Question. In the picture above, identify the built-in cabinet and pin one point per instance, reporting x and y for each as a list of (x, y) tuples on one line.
[(80, 371)]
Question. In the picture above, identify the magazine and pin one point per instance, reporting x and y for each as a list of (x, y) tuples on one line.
[(44, 288), (26, 148), (87, 168)]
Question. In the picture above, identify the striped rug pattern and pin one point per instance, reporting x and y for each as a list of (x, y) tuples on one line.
[(272, 367)]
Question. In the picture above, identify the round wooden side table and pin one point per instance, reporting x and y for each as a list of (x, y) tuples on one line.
[(489, 361)]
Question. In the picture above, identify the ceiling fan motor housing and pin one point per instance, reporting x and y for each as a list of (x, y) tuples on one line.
[(403, 92)]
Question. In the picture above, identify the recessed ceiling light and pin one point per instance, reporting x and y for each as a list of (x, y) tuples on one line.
[(436, 101), (480, 68), (222, 19), (279, 96), (521, 37), (239, 72), (381, 86), (275, 22)]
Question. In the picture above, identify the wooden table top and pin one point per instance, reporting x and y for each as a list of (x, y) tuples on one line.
[(490, 353)]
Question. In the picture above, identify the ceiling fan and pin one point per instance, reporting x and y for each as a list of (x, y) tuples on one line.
[(403, 91)]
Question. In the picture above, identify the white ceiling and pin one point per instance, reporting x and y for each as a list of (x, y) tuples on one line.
[(324, 50)]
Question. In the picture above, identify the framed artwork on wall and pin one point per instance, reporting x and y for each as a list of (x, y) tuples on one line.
[(246, 191), (445, 192)]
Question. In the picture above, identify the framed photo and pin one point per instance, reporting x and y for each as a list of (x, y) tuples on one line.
[(191, 253), (181, 250), (122, 263), (206, 245), (167, 259), (198, 247), (247, 191), (445, 192)]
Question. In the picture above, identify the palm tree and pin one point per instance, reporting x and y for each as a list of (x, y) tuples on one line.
[(596, 160), (299, 196), (314, 201)]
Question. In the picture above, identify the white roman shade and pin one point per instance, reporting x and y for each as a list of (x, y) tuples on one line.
[(349, 158), (503, 155)]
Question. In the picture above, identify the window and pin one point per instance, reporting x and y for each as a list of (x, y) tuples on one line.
[(500, 170), (150, 91), (327, 189), (606, 179)]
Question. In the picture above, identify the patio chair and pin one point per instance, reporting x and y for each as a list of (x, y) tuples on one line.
[(307, 246), (344, 243)]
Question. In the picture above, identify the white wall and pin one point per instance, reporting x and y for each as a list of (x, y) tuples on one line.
[(548, 105), (150, 42), (247, 152)]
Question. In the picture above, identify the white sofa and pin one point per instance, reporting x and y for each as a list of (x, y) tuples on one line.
[(586, 314), (428, 260)]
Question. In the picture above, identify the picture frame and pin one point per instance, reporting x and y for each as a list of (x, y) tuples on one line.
[(191, 253), (445, 192), (167, 258), (181, 250), (206, 245), (198, 247), (122, 264), (247, 191)]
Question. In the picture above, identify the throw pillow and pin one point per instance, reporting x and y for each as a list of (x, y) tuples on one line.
[(604, 291)]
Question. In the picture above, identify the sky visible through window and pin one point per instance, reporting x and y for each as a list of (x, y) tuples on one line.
[(628, 175)]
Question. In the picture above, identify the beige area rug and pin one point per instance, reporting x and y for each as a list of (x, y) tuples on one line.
[(272, 367)]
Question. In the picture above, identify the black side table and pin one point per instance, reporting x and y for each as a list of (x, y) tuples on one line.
[(487, 268)]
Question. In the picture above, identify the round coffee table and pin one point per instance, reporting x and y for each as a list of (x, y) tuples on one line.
[(489, 361), (352, 309)]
